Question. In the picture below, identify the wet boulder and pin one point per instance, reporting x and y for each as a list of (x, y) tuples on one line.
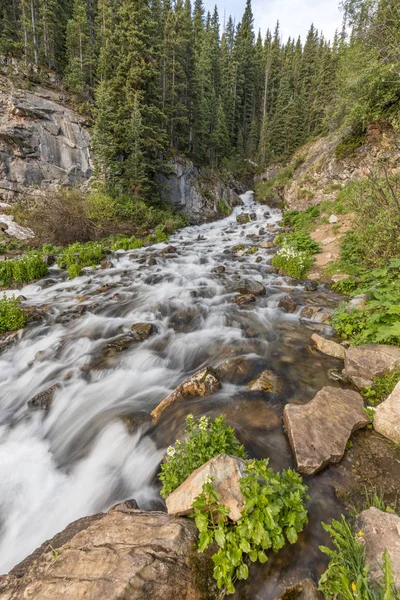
[(234, 370), (308, 312), (311, 286), (204, 382), (380, 532), (125, 553), (245, 299), (168, 250), (328, 347), (219, 269), (253, 216), (250, 286), (267, 245), (142, 331), (226, 472), (319, 430), (363, 363), (243, 218), (43, 400), (268, 381), (387, 416), (287, 304)]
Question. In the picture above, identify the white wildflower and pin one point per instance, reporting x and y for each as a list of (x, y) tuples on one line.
[(203, 424), (171, 451)]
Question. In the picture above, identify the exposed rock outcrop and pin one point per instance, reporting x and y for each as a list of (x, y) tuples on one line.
[(226, 472), (196, 192), (125, 554), (42, 142), (363, 363), (319, 431), (380, 532), (387, 416)]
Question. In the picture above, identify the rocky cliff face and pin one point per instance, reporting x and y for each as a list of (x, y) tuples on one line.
[(197, 192), (43, 143)]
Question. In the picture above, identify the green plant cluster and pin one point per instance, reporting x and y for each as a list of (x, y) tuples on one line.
[(298, 240), (381, 388), (274, 513), (348, 145), (292, 262), (203, 440), (24, 269), (77, 256), (301, 221), (347, 575), (266, 191), (12, 316), (379, 320)]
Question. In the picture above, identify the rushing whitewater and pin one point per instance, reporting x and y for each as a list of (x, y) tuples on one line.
[(80, 457)]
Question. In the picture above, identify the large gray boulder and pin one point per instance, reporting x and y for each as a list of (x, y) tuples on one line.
[(319, 430), (196, 192), (125, 554), (387, 416), (42, 142), (380, 532), (363, 363)]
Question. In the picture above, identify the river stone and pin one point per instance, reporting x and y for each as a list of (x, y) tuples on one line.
[(319, 430), (226, 472), (387, 416), (250, 286), (168, 250), (288, 304), (268, 381), (305, 590), (245, 299), (219, 269), (363, 363), (381, 531), (234, 370), (253, 216), (328, 347), (309, 311), (43, 400), (123, 554), (267, 245), (243, 218), (202, 383), (142, 331), (311, 286)]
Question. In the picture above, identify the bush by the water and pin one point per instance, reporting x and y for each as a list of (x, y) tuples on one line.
[(12, 316), (381, 388), (203, 440), (27, 268), (292, 262), (274, 513), (77, 256)]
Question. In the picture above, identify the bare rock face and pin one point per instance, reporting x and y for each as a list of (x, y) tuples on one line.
[(203, 383), (328, 346), (226, 472), (319, 430), (363, 363), (381, 531), (387, 416), (125, 554), (196, 192), (42, 142)]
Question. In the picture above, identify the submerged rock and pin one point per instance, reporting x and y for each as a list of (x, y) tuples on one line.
[(363, 363), (387, 416), (319, 430), (245, 299), (226, 472), (123, 554), (219, 269), (288, 304), (328, 346), (203, 383), (380, 532), (234, 370), (43, 400), (142, 331), (268, 381)]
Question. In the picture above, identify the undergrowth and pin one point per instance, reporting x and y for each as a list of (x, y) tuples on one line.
[(23, 269), (12, 316), (381, 388)]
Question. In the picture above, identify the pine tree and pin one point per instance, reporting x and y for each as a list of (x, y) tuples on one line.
[(78, 76)]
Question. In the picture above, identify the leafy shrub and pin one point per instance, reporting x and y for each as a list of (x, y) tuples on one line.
[(204, 440), (381, 388), (301, 221), (379, 321), (299, 240), (77, 256), (126, 243), (22, 270), (223, 208), (12, 317), (292, 262), (347, 575), (266, 191), (74, 271), (274, 513)]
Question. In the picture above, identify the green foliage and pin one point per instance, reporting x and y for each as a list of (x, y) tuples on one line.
[(77, 256), (252, 250), (126, 243), (22, 270), (347, 575), (381, 388), (298, 240), (203, 440), (74, 270), (12, 317), (301, 221), (266, 191), (274, 513), (379, 321), (292, 262), (348, 146), (223, 208)]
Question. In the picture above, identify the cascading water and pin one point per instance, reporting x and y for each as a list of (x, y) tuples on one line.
[(80, 457)]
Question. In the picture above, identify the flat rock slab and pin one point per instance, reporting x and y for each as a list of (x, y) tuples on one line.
[(226, 472), (381, 531), (328, 346), (123, 554), (363, 363), (319, 431), (387, 416), (203, 383)]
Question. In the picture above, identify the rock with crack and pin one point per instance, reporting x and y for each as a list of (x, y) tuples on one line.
[(363, 363), (226, 472), (203, 383), (380, 532), (125, 553), (319, 430), (387, 416), (328, 347)]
